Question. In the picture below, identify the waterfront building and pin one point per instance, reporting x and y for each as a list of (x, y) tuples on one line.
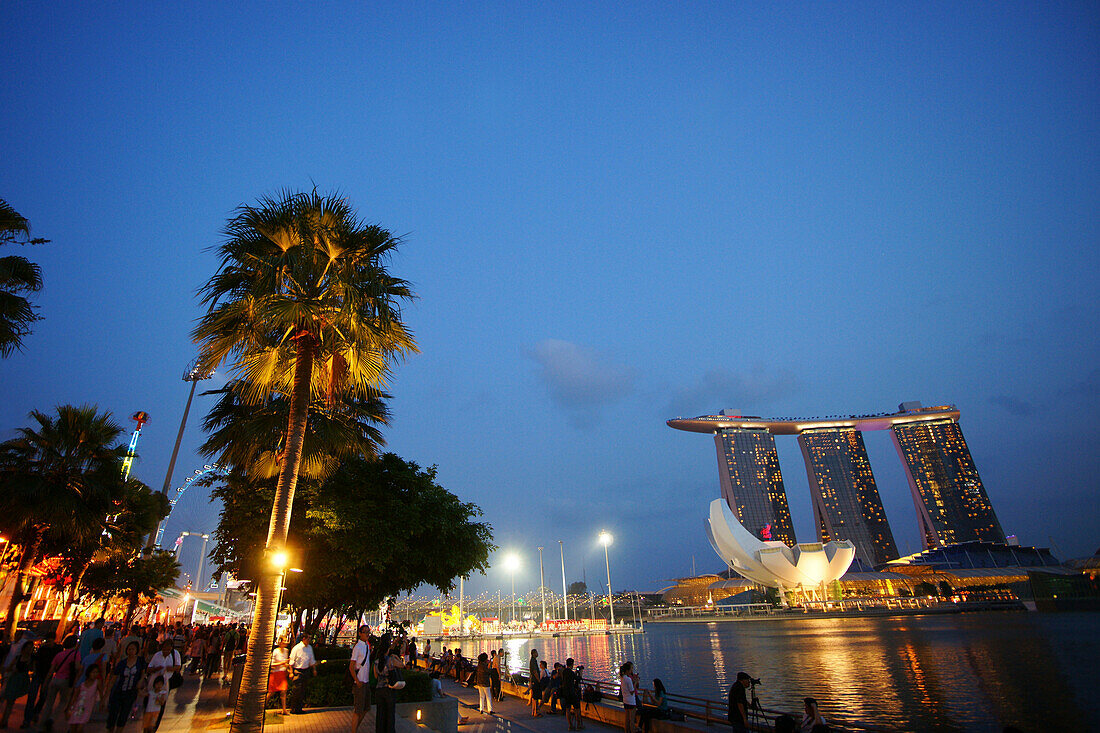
[(846, 501), (752, 482), (951, 502)]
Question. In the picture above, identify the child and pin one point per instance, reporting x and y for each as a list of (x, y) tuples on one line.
[(154, 701), (84, 699)]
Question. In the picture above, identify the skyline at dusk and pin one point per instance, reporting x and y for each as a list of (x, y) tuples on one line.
[(612, 217)]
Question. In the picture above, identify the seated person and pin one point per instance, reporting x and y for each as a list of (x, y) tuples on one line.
[(654, 705)]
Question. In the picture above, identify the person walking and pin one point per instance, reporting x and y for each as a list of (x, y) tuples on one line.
[(89, 635), (62, 674), (164, 665), (85, 698), (123, 683), (17, 680), (483, 683), (301, 666), (359, 666), (36, 695), (279, 679)]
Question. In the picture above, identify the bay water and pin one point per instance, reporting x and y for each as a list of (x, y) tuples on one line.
[(969, 672)]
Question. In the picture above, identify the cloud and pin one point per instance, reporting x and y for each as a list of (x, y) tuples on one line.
[(580, 379), (1014, 405), (718, 389)]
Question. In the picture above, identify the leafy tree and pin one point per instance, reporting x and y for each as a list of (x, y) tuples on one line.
[(137, 577), (578, 588), (303, 307), (136, 514), (18, 278), (371, 530), (60, 479)]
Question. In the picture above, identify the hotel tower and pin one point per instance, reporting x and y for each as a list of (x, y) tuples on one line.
[(948, 494)]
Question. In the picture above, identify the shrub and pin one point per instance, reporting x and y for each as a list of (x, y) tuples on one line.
[(332, 690), (322, 653)]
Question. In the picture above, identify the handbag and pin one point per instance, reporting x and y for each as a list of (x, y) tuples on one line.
[(176, 679), (396, 679)]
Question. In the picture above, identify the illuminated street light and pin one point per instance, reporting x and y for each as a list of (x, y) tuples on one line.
[(279, 560), (511, 564), (605, 540)]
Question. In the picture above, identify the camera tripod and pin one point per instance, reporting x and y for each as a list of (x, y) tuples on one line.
[(756, 714)]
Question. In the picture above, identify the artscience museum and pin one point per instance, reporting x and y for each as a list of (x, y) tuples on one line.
[(808, 566)]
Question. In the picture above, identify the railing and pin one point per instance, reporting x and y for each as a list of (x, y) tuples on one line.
[(698, 709), (746, 609), (712, 712)]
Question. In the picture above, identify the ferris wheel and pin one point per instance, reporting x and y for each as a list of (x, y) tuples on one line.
[(210, 469)]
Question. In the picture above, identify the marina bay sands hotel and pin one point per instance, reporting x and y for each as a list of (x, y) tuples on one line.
[(951, 502)]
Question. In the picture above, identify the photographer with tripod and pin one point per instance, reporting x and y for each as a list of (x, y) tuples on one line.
[(740, 707)]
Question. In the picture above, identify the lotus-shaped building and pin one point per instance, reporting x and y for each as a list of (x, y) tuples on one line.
[(807, 565)]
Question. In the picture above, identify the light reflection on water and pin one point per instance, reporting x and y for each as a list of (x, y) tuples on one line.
[(978, 671)]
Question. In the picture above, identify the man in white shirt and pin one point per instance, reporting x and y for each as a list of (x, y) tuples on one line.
[(302, 663), (360, 672), (164, 664)]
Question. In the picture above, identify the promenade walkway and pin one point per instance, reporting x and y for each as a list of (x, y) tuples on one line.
[(202, 705)]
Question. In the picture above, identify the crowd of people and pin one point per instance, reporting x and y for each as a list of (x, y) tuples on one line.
[(99, 667), (129, 676)]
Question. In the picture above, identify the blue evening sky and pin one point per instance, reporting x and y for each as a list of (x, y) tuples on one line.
[(616, 213)]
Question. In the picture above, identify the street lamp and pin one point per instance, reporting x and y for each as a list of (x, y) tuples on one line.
[(564, 590), (542, 587), (194, 375), (511, 564), (605, 540)]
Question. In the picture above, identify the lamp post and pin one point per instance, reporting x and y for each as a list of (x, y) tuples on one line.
[(542, 587), (564, 590), (605, 540), (511, 564), (202, 562), (194, 375)]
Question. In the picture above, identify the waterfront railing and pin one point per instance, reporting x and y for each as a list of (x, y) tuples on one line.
[(713, 712)]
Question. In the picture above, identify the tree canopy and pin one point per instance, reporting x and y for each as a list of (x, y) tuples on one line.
[(372, 529)]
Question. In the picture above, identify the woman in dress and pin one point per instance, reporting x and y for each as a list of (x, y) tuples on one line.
[(279, 679), (85, 698)]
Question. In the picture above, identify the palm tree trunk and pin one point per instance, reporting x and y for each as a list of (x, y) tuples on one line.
[(70, 599), (19, 591), (248, 713)]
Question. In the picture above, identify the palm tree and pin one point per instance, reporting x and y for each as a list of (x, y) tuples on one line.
[(250, 436), (60, 478), (304, 308), (18, 276)]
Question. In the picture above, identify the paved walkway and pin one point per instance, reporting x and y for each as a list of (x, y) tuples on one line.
[(202, 705), (511, 715)]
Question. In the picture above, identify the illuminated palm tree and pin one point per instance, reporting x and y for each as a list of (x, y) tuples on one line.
[(250, 436), (60, 478), (304, 308), (18, 277)]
